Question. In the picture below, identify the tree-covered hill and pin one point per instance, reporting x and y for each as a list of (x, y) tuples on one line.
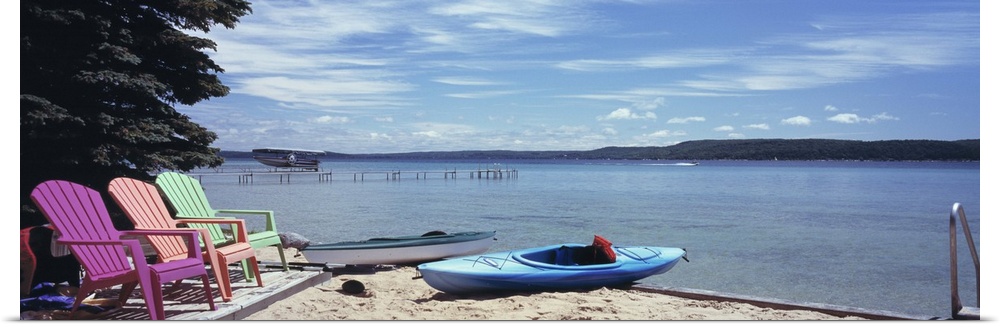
[(754, 149), (801, 149)]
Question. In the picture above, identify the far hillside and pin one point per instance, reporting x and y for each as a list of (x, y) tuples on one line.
[(754, 149)]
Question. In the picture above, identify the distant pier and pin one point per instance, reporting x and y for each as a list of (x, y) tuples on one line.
[(246, 175)]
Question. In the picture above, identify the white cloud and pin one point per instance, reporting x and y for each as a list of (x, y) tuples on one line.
[(757, 126), (656, 138), (384, 119), (430, 134), (465, 81), (508, 119), (797, 120), (567, 130), (640, 95), (854, 118), (830, 108), (659, 134), (685, 120), (850, 50), (884, 116), (724, 128), (649, 105), (845, 118), (540, 18), (677, 59), (736, 135), (319, 53), (626, 114), (330, 119), (480, 95), (341, 91), (443, 128)]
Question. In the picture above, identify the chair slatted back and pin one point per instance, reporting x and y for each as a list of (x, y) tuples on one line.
[(187, 197), (143, 205), (78, 213)]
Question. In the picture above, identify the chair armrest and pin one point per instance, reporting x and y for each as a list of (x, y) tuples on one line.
[(134, 248), (269, 222), (183, 219), (88, 242), (179, 216), (238, 225), (189, 235), (205, 235), (268, 213)]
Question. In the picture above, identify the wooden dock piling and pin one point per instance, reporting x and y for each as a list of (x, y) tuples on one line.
[(247, 176)]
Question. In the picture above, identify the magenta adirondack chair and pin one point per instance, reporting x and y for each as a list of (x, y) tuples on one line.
[(79, 216), (143, 205)]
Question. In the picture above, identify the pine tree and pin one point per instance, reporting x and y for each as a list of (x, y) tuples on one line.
[(99, 85)]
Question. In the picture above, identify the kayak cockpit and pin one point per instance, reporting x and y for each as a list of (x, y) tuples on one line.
[(566, 256)]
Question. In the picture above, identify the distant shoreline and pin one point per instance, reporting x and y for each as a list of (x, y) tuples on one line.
[(752, 150)]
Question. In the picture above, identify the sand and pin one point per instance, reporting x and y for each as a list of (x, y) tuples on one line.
[(393, 294)]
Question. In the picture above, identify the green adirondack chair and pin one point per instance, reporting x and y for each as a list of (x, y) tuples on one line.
[(188, 199)]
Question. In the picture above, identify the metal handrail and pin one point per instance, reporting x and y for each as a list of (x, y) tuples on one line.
[(958, 311)]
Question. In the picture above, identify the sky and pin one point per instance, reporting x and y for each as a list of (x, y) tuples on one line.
[(410, 76)]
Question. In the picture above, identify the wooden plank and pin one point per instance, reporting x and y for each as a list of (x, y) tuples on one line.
[(186, 301)]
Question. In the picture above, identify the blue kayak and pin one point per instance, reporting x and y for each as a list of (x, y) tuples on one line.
[(553, 267)]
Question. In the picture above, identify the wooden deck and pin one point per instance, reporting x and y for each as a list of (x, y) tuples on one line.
[(186, 302)]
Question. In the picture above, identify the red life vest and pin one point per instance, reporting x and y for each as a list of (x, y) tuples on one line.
[(602, 245)]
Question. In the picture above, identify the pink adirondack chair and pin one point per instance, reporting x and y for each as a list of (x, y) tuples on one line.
[(79, 216), (143, 205)]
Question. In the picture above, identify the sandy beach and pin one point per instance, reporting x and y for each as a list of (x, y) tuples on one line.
[(394, 294)]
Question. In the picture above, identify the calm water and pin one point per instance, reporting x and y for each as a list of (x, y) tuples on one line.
[(858, 234)]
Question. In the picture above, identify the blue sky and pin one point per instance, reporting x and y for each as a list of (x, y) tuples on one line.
[(403, 76)]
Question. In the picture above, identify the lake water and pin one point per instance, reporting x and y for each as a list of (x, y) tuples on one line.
[(871, 235)]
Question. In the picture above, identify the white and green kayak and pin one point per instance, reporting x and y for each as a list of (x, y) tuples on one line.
[(414, 249)]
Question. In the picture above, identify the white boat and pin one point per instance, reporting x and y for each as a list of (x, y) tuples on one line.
[(415, 249), (684, 164), (289, 158)]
